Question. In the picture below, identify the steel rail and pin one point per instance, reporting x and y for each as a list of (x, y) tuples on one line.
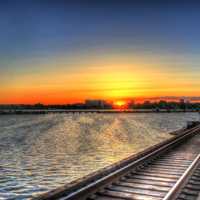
[(72, 196), (90, 187), (177, 188)]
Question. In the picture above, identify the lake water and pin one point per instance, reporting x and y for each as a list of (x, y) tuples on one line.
[(41, 152)]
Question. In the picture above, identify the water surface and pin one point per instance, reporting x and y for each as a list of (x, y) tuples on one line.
[(41, 152)]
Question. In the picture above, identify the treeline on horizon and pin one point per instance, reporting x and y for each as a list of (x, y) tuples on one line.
[(172, 105)]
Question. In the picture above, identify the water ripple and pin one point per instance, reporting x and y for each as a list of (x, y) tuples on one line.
[(41, 152)]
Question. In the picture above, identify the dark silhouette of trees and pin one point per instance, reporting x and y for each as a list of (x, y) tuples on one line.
[(156, 106)]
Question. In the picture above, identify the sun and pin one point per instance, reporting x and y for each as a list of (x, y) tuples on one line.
[(120, 104)]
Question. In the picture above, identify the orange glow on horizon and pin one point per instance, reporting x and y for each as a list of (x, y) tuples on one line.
[(112, 77), (120, 104)]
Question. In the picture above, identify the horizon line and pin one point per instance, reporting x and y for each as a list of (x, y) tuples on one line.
[(137, 100)]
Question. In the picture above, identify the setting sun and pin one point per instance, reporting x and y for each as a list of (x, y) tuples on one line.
[(120, 104)]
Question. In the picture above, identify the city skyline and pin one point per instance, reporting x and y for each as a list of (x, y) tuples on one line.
[(58, 52)]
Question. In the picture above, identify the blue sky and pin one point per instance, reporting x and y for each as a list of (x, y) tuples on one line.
[(39, 33)]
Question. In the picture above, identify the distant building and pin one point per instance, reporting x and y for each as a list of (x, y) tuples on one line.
[(182, 104), (182, 101), (95, 103), (131, 104)]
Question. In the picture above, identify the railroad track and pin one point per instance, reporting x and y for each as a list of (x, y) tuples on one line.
[(168, 171)]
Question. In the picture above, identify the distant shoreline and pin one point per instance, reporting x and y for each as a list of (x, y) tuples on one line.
[(48, 111)]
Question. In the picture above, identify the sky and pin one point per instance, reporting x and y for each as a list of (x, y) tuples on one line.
[(68, 51)]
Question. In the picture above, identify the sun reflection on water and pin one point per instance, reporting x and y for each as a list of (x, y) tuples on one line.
[(41, 152)]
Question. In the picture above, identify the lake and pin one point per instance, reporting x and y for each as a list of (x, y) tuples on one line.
[(41, 152)]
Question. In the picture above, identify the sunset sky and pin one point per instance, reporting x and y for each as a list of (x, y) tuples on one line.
[(60, 52)]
